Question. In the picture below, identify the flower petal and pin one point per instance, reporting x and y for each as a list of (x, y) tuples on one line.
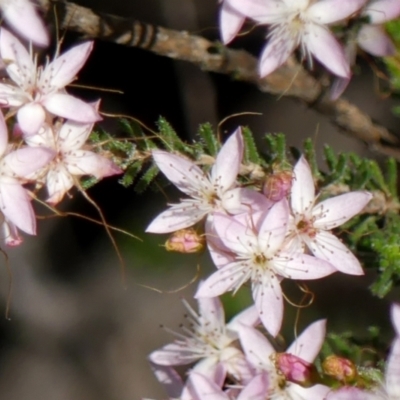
[(256, 388), (382, 11), (22, 16), (203, 388), (183, 173), (230, 22), (62, 71), (263, 11), (178, 216), (10, 234), (375, 41), (30, 118), (169, 378), (16, 206), (326, 49), (3, 134), (303, 190), (227, 163), (58, 182), (73, 135), (173, 354), (309, 343), (393, 370), (70, 107), (211, 313), (329, 248), (337, 210), (395, 316), (11, 96), (249, 317), (267, 295), (328, 11), (316, 392)]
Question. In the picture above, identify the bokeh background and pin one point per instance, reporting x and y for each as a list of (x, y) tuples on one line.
[(77, 330)]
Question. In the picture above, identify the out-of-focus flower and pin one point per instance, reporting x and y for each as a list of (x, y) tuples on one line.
[(339, 368), (312, 222), (38, 93), (22, 16), (263, 357), (185, 241), (278, 184), (260, 258), (71, 160), (209, 341), (300, 23), (230, 22)]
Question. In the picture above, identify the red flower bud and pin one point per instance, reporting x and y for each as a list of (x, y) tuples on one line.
[(185, 241)]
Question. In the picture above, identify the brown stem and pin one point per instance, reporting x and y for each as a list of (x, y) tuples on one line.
[(289, 80)]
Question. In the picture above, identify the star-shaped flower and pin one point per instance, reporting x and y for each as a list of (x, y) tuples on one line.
[(210, 341), (261, 258), (300, 23), (312, 222), (38, 93), (208, 192)]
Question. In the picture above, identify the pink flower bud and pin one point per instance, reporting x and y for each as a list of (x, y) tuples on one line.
[(185, 241), (339, 368), (294, 368), (277, 185)]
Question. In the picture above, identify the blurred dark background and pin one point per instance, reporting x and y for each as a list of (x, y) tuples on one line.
[(77, 330)]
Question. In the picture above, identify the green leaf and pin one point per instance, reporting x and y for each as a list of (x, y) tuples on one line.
[(146, 179), (208, 137), (130, 174), (250, 148)]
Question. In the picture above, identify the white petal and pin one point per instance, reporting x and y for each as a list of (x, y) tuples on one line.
[(211, 313), (249, 317), (302, 194), (328, 11), (322, 44), (316, 392), (337, 210), (328, 247), (263, 11), (169, 378), (204, 389), (395, 315), (30, 118), (3, 134), (256, 388), (58, 182), (375, 41), (11, 96), (227, 164), (73, 135), (393, 370), (230, 22), (382, 11), (174, 354)]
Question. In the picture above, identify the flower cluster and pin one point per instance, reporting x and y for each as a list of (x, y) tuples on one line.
[(283, 233), (305, 24), (44, 148)]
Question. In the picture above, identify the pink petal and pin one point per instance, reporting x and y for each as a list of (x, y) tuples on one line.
[(16, 206), (62, 71), (256, 388), (173, 354), (326, 49), (178, 216), (230, 22), (328, 11), (256, 346), (273, 229), (227, 164), (267, 295), (309, 343), (58, 182), (329, 248), (3, 134), (19, 62), (275, 53), (22, 16), (73, 135), (30, 118), (27, 160), (304, 267), (223, 280), (235, 236), (382, 11), (183, 173), (11, 96), (248, 317), (263, 11), (211, 312), (393, 370), (395, 316), (70, 107), (83, 162), (316, 392), (10, 234), (337, 210), (375, 41), (169, 378), (338, 87), (303, 191), (204, 389), (351, 393)]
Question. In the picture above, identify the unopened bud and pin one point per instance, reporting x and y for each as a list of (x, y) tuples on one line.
[(339, 368), (278, 185), (294, 368), (185, 241)]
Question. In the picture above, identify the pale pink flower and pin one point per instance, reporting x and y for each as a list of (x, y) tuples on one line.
[(39, 93), (260, 258), (230, 22), (23, 17), (312, 221), (209, 342), (208, 193), (300, 23), (15, 202), (262, 356), (71, 160)]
